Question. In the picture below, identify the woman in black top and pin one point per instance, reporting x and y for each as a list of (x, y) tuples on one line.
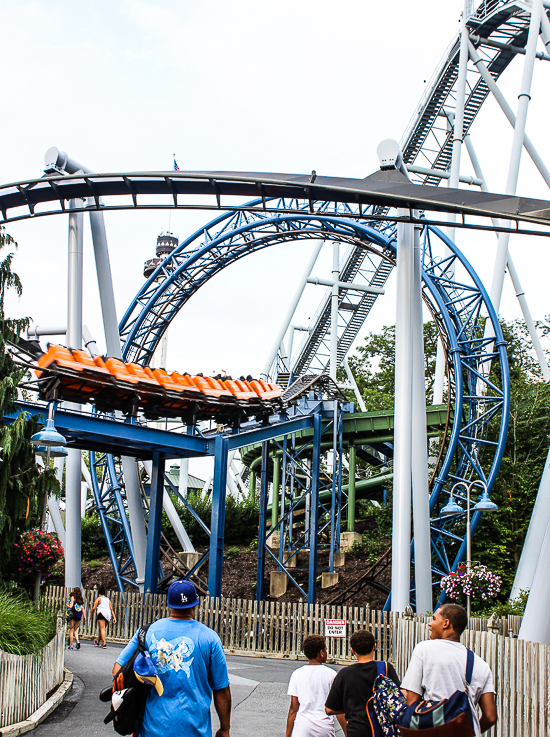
[(353, 685)]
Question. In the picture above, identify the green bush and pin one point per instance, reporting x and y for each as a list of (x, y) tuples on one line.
[(23, 629), (232, 553), (93, 539)]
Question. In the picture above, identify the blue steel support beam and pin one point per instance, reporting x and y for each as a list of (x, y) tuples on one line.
[(262, 529), (217, 523), (314, 512), (155, 522)]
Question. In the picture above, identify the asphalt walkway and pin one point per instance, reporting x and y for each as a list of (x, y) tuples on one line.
[(258, 687)]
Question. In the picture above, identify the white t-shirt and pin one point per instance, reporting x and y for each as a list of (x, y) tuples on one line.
[(311, 684), (438, 669), (104, 608)]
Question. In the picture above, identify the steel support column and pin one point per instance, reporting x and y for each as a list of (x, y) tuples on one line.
[(276, 490), (262, 525), (155, 523), (314, 509), (351, 487), (401, 532), (217, 524), (73, 512), (535, 626), (419, 445)]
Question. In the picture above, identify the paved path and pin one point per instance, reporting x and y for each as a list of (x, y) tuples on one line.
[(258, 687)]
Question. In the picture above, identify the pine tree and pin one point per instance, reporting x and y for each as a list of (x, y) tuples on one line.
[(23, 484)]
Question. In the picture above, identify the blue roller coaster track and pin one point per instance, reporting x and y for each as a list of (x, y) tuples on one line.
[(452, 291)]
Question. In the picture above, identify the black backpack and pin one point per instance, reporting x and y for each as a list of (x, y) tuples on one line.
[(128, 706)]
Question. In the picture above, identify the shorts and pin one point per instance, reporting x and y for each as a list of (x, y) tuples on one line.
[(104, 618)]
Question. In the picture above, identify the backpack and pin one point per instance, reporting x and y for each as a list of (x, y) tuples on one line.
[(446, 718), (385, 704), (77, 611), (127, 695)]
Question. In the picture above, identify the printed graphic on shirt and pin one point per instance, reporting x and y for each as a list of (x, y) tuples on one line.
[(172, 654)]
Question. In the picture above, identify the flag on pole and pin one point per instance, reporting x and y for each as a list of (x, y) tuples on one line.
[(176, 167)]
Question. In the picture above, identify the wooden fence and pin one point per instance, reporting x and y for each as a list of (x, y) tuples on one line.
[(266, 628), (276, 629), (520, 671), (27, 680)]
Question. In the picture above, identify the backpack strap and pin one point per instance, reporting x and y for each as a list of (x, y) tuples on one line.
[(469, 668), (381, 668), (141, 637)]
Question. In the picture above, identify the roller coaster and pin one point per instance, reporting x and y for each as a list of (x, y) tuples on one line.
[(295, 440)]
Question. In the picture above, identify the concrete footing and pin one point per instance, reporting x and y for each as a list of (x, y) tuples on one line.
[(191, 559), (348, 539), (339, 559), (329, 579), (277, 584)]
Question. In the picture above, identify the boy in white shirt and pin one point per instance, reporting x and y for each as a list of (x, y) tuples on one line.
[(308, 690), (438, 667)]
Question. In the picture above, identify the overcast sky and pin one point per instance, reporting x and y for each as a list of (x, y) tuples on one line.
[(279, 86)]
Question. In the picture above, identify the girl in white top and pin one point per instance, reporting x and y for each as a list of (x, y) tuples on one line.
[(104, 615), (308, 690)]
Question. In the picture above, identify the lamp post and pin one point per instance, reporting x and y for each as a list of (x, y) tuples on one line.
[(452, 508)]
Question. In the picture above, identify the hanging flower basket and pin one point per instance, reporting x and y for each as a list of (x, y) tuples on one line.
[(37, 551), (479, 583)]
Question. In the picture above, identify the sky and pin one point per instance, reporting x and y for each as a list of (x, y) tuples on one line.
[(246, 86)]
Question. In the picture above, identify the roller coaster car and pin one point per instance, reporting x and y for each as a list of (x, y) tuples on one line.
[(112, 385)]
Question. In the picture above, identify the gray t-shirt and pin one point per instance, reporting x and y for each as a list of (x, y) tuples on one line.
[(438, 669)]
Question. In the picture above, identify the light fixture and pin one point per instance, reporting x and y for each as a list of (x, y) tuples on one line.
[(48, 436), (55, 451), (484, 504), (451, 509)]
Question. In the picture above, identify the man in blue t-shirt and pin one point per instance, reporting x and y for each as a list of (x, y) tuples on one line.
[(190, 662)]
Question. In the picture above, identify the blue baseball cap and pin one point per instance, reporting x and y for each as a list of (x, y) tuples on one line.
[(182, 595), (146, 672)]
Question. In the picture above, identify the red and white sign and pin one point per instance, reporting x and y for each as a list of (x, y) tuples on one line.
[(335, 627)]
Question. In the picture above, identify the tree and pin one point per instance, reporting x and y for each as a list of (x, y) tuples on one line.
[(374, 366), (23, 485), (500, 535)]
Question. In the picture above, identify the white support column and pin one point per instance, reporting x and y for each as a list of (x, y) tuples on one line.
[(517, 146), (334, 310), (532, 545), (73, 522), (419, 444), (292, 308), (535, 626), (135, 514), (401, 532), (520, 294), (507, 110), (173, 516), (184, 476), (351, 379)]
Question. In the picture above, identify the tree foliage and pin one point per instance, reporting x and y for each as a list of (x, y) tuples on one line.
[(23, 484), (500, 535)]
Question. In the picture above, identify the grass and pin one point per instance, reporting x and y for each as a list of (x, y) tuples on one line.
[(95, 563), (24, 630)]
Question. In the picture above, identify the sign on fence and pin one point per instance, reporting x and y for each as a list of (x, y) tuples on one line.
[(335, 627)]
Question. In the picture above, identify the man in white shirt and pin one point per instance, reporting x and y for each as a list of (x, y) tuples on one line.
[(438, 668), (308, 690)]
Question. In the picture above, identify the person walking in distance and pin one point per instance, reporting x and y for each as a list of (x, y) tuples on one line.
[(104, 615), (75, 614), (190, 662), (308, 690), (438, 667), (352, 687)]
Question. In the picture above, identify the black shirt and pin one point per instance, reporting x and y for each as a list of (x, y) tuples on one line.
[(350, 691)]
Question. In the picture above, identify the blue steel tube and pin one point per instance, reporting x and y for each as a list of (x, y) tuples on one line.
[(217, 524), (155, 522), (314, 509), (262, 527)]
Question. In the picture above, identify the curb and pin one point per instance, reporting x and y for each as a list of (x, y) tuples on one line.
[(42, 712)]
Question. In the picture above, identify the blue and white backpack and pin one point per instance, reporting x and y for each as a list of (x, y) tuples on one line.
[(385, 705)]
